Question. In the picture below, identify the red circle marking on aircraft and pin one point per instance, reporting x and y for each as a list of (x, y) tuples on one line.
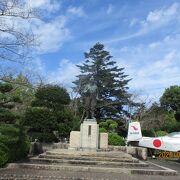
[(157, 143)]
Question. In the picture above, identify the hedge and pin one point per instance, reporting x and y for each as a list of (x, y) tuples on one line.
[(115, 139), (15, 139), (4, 155)]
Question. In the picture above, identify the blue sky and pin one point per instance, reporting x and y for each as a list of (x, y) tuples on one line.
[(142, 35)]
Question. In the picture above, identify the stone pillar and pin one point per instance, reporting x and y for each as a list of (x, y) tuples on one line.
[(74, 142), (103, 144), (89, 135)]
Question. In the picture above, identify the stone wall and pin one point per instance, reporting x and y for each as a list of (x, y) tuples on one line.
[(138, 152), (50, 146)]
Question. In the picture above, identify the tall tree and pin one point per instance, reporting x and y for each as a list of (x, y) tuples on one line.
[(7, 102), (110, 80), (15, 38), (49, 112), (23, 89), (170, 100), (52, 97)]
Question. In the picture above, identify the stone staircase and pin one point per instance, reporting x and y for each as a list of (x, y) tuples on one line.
[(89, 161)]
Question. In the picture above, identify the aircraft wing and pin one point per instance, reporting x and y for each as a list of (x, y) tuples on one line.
[(161, 143), (170, 142)]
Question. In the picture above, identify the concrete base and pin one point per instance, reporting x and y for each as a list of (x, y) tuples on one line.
[(89, 135), (88, 138), (94, 162)]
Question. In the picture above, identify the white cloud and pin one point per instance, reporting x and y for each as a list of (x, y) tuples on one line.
[(163, 15), (159, 69), (109, 9), (78, 11), (133, 22), (47, 5), (65, 74), (51, 35), (154, 20), (153, 67)]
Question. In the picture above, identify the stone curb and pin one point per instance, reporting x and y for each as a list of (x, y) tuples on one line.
[(56, 156), (82, 162), (164, 171)]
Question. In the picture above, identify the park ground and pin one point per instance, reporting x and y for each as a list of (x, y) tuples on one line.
[(35, 174)]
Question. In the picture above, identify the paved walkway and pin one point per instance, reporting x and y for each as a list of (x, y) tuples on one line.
[(172, 164), (29, 174), (37, 174)]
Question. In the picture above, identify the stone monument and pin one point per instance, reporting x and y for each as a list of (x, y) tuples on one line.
[(88, 138)]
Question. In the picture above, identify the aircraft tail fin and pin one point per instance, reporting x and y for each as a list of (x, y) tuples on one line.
[(134, 131)]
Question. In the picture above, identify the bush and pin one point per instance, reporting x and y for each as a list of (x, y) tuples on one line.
[(4, 155), (40, 119), (102, 130), (109, 125), (161, 133), (52, 97), (7, 116), (148, 133), (16, 140), (170, 123), (66, 122), (115, 139)]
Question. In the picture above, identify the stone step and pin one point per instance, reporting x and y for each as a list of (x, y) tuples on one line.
[(150, 171), (73, 157), (87, 162), (110, 154)]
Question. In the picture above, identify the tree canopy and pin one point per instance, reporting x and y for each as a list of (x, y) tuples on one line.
[(15, 40), (170, 100), (51, 96), (49, 113), (111, 81), (7, 102)]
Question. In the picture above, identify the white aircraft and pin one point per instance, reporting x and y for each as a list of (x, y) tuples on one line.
[(170, 142)]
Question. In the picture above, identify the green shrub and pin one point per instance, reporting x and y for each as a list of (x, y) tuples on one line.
[(4, 155), (103, 125), (102, 130), (3, 158), (66, 122), (161, 133), (7, 116), (170, 123), (40, 119), (115, 139), (109, 125), (148, 133), (16, 140)]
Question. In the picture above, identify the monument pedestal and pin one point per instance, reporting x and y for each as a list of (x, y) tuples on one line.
[(89, 133), (88, 138)]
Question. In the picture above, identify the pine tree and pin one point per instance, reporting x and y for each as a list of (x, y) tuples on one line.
[(7, 102), (111, 82)]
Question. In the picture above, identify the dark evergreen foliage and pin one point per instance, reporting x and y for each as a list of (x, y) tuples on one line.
[(14, 137), (49, 113), (51, 96), (111, 81), (7, 102), (170, 100)]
